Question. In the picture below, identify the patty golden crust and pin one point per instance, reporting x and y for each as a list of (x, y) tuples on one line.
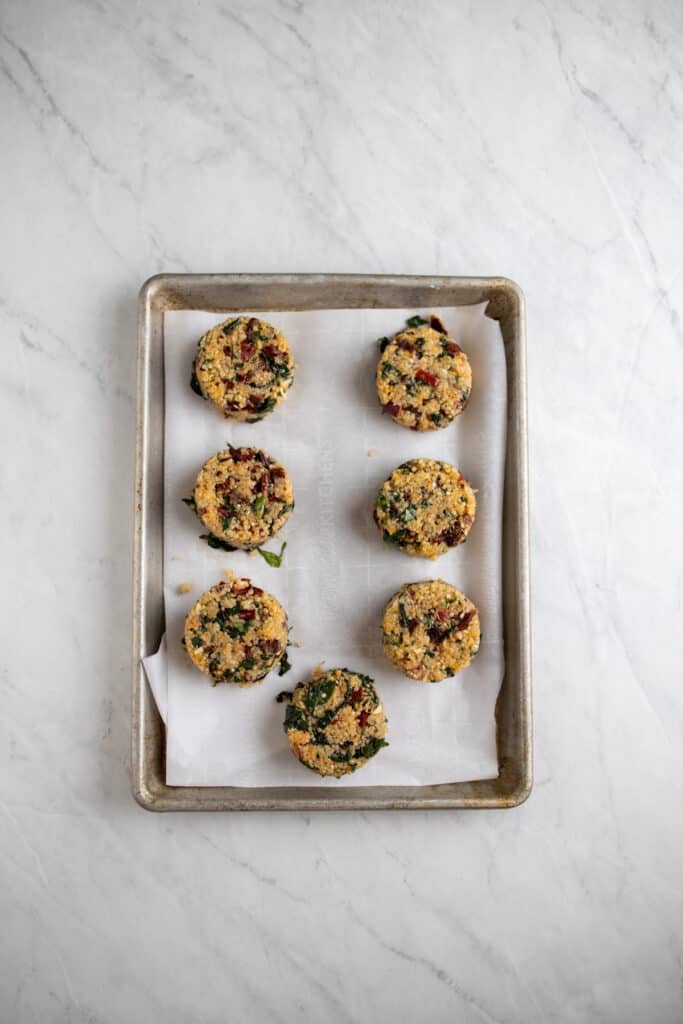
[(335, 721), (430, 630), (424, 379), (425, 507), (243, 366), (243, 496), (236, 632)]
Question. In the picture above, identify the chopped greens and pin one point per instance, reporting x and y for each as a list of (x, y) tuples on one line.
[(194, 382), (403, 615), (285, 664), (295, 718), (258, 505), (319, 693), (275, 561), (415, 321), (215, 542), (264, 406), (190, 502), (372, 746)]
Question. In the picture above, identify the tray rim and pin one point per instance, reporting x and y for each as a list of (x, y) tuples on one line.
[(513, 785)]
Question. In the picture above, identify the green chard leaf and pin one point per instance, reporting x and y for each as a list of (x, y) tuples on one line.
[(271, 558), (403, 618), (383, 342), (194, 382), (285, 664), (258, 505), (265, 405), (372, 746), (415, 321), (319, 693), (190, 502), (215, 542), (295, 719)]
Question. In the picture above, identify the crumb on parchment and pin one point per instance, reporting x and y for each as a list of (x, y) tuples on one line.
[(175, 558), (184, 588), (298, 643), (372, 452)]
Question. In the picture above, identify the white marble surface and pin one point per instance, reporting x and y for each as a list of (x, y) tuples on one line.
[(541, 140)]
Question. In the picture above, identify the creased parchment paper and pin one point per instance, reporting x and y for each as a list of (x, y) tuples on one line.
[(337, 574)]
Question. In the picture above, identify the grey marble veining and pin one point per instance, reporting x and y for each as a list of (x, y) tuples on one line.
[(540, 140)]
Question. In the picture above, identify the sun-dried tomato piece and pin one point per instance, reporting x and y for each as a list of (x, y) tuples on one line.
[(442, 615), (465, 620), (428, 378), (435, 634), (355, 696), (248, 614), (452, 348), (452, 536), (271, 646), (241, 586), (272, 350), (391, 408), (467, 519), (436, 324), (363, 718), (247, 348), (407, 346)]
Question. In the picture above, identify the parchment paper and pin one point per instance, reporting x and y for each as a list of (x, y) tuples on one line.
[(337, 574)]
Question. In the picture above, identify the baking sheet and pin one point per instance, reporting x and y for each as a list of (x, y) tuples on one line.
[(337, 574)]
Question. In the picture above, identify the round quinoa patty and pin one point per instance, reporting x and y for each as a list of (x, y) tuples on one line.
[(425, 507), (236, 632), (243, 497), (335, 721), (243, 366), (430, 630), (424, 379)]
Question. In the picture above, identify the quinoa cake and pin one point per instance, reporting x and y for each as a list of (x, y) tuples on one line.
[(243, 366), (430, 630), (236, 632), (335, 721), (243, 496), (425, 507), (424, 379)]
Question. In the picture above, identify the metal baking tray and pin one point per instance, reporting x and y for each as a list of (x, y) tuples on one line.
[(265, 292)]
